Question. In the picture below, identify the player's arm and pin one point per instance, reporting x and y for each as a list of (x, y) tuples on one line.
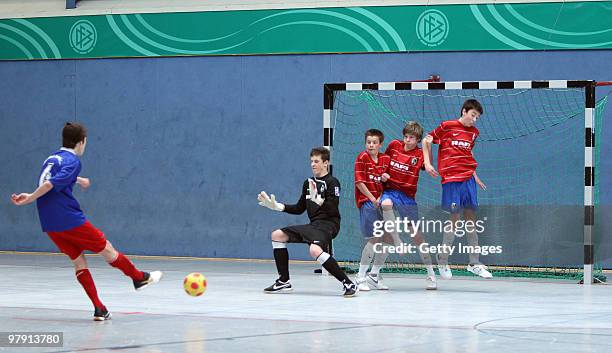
[(64, 177), (477, 179), (25, 198), (384, 177), (300, 206), (271, 203), (83, 182), (360, 178), (427, 159), (364, 190), (332, 198), (431, 138), (479, 182)]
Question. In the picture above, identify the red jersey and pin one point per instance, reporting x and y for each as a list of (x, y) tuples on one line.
[(404, 168), (455, 160), (368, 172)]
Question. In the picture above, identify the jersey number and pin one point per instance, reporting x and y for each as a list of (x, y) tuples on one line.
[(46, 174)]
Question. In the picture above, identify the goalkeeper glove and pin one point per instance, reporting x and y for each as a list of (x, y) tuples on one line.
[(269, 202), (314, 195)]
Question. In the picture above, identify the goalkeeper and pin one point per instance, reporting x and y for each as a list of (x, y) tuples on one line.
[(320, 197)]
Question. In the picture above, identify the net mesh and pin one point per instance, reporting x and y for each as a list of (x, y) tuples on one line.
[(531, 157)]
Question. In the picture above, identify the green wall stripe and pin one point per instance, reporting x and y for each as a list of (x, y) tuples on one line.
[(524, 26), (43, 35)]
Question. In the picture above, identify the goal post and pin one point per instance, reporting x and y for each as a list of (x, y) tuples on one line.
[(537, 147)]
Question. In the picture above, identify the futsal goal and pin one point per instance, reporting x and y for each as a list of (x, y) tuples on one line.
[(537, 153)]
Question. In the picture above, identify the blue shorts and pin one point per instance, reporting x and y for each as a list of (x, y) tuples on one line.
[(405, 205), (368, 214), (460, 195)]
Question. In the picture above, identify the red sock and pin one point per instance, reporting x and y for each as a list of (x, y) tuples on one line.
[(85, 279), (127, 267)]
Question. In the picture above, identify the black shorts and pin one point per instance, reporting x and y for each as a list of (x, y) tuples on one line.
[(320, 233)]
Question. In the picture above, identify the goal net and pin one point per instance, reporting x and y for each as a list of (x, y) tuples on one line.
[(536, 153)]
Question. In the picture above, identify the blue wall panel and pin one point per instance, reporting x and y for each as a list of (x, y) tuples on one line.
[(180, 147)]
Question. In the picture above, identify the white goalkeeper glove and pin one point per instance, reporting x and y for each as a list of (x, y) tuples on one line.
[(314, 195), (269, 202)]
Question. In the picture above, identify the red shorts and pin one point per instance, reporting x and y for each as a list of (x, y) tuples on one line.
[(73, 242)]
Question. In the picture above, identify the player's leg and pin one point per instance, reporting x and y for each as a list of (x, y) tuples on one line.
[(388, 201), (472, 237), (374, 279), (331, 265), (447, 240), (470, 206), (407, 209), (430, 280), (475, 266), (281, 259), (391, 201), (119, 261), (368, 214), (83, 276), (367, 255), (451, 203), (67, 243), (381, 257)]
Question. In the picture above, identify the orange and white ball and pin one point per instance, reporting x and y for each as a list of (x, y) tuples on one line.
[(194, 284)]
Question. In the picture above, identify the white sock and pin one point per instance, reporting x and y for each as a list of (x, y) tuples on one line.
[(426, 258), (323, 257), (472, 238), (389, 216), (366, 258), (448, 239), (363, 270), (375, 270), (430, 270), (379, 262)]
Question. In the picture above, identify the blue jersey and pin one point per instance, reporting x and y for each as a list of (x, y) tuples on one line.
[(58, 210)]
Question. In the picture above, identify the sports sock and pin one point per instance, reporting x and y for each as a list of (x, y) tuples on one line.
[(85, 279), (281, 258), (472, 238), (389, 216), (426, 258), (366, 258), (331, 265), (448, 239), (127, 267), (379, 262)]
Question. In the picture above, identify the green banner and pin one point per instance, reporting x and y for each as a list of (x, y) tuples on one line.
[(540, 26)]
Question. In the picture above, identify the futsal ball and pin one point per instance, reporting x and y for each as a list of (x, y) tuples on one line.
[(194, 284)]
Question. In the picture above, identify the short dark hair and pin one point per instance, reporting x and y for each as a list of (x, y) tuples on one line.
[(413, 128), (471, 104), (73, 133), (375, 132), (320, 151)]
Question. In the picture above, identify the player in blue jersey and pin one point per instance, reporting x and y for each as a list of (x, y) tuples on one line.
[(62, 219)]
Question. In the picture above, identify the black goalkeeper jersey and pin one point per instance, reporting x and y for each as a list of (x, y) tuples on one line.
[(329, 189)]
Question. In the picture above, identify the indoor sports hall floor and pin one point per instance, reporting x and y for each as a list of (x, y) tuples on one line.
[(40, 293)]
